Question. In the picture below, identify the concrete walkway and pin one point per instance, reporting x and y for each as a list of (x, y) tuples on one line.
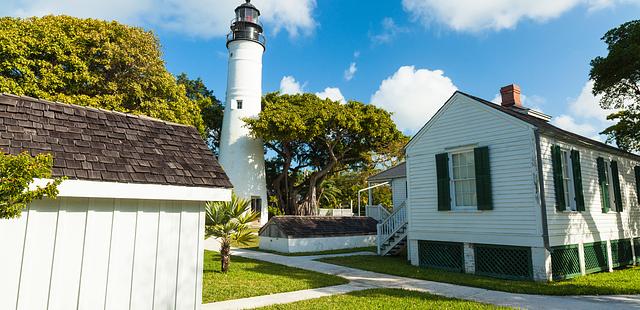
[(361, 279)]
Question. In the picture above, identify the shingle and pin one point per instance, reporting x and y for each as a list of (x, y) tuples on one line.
[(93, 144), (310, 226)]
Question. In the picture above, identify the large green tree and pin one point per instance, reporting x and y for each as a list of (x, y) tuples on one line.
[(313, 139), (211, 108), (617, 78), (92, 63)]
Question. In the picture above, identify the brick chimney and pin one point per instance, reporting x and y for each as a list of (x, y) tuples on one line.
[(511, 96)]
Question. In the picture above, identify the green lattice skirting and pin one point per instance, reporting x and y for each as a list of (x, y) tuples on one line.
[(503, 261), (595, 257), (565, 262), (441, 255), (621, 253)]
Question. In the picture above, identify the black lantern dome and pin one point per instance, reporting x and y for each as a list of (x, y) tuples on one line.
[(246, 25)]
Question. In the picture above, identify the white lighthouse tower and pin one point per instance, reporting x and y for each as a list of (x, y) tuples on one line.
[(242, 156)]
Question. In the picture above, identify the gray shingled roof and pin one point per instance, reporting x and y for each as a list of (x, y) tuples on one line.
[(321, 226), (99, 145), (399, 171)]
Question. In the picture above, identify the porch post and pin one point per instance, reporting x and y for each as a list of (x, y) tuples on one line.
[(370, 192)]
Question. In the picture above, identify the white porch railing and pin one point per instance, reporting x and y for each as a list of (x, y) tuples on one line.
[(396, 220), (377, 212)]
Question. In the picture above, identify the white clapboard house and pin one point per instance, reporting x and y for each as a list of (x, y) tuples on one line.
[(496, 190), (127, 229)]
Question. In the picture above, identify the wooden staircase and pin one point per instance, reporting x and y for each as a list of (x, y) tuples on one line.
[(392, 232)]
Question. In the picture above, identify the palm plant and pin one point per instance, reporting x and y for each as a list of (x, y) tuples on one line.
[(228, 221)]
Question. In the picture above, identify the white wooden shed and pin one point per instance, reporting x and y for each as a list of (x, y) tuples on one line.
[(127, 230)]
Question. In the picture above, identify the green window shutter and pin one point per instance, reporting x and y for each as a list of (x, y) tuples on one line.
[(637, 170), (604, 189), (558, 183), (577, 180), (615, 180), (442, 172), (483, 178)]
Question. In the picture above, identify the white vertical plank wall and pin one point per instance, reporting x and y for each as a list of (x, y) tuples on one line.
[(38, 256), (144, 262), (67, 259), (167, 258), (12, 234), (80, 253)]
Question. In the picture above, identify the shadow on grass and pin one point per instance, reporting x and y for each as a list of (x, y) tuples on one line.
[(248, 277), (626, 281), (384, 299)]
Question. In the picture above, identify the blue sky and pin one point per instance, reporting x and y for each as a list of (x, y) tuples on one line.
[(405, 55)]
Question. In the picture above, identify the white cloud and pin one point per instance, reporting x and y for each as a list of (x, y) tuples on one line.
[(332, 93), (389, 31), (477, 16), (350, 72), (413, 96), (584, 115), (569, 123), (199, 18), (289, 86)]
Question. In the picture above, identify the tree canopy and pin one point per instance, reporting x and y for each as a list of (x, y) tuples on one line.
[(17, 172), (315, 138), (211, 109), (92, 63), (617, 78)]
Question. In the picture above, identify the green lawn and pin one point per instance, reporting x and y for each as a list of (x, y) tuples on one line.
[(247, 278), (625, 281), (383, 299), (341, 251)]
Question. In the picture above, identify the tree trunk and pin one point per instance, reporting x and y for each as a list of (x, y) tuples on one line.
[(225, 256)]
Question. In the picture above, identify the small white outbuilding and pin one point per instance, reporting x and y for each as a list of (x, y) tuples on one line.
[(298, 234), (127, 229)]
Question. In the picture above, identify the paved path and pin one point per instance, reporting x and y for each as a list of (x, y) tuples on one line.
[(361, 279)]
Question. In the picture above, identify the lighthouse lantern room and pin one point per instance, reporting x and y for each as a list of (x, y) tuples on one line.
[(241, 155)]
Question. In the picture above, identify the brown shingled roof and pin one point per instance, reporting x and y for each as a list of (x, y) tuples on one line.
[(99, 145)]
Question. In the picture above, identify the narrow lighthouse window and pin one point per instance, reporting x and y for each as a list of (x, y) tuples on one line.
[(239, 104)]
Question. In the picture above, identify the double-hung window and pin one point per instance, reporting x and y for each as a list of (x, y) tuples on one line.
[(463, 179), (609, 179), (567, 179)]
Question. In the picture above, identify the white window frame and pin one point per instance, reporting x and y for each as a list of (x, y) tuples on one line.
[(452, 187), (568, 181)]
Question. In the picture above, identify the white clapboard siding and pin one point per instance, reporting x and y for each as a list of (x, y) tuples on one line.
[(399, 191), (515, 218), (85, 253), (592, 225)]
